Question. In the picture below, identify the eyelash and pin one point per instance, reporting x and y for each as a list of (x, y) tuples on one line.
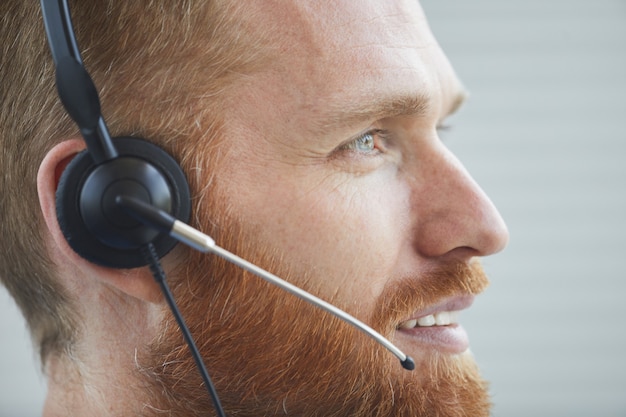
[(377, 139), (444, 127)]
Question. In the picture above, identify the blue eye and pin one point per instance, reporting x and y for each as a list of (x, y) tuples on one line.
[(367, 151), (365, 143)]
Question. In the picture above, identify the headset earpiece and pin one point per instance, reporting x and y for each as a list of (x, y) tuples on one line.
[(87, 203), (96, 227)]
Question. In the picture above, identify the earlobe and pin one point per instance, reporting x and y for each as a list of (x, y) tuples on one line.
[(137, 282)]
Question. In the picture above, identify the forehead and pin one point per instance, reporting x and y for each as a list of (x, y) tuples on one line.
[(345, 33), (325, 25), (328, 54)]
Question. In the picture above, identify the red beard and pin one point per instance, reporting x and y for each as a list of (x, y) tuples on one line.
[(270, 353)]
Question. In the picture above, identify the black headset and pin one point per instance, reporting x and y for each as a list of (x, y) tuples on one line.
[(94, 185), (94, 224)]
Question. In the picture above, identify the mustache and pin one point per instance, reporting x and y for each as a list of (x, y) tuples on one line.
[(404, 297)]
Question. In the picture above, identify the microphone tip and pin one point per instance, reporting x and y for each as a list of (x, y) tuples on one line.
[(408, 363)]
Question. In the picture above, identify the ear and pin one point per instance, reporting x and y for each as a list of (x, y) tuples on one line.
[(137, 283)]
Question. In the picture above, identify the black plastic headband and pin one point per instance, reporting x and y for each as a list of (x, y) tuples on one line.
[(76, 89), (60, 31)]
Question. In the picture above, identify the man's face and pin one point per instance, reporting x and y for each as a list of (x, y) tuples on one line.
[(332, 175)]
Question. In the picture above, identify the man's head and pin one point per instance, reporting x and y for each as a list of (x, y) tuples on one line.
[(309, 136)]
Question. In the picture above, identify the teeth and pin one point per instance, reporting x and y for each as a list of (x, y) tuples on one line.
[(427, 321), (454, 317), (409, 324), (443, 318)]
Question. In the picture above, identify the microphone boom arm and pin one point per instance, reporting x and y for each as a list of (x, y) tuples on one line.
[(203, 243)]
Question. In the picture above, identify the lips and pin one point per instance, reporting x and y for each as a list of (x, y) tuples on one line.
[(437, 327)]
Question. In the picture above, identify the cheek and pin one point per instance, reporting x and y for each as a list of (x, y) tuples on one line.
[(346, 236)]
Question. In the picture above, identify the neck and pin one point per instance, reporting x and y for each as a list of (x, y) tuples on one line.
[(67, 391), (100, 376)]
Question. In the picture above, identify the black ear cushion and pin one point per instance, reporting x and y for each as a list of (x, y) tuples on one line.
[(77, 234)]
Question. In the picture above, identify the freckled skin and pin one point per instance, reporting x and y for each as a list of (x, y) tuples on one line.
[(381, 231), (359, 222)]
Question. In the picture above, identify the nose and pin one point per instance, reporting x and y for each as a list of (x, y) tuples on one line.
[(453, 215)]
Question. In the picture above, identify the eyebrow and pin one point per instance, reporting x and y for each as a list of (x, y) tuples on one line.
[(395, 106)]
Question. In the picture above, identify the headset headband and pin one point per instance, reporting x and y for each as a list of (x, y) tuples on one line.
[(76, 89), (58, 23)]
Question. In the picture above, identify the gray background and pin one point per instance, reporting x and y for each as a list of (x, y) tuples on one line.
[(544, 133)]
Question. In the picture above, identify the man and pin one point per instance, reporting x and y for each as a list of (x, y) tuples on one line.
[(308, 133)]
